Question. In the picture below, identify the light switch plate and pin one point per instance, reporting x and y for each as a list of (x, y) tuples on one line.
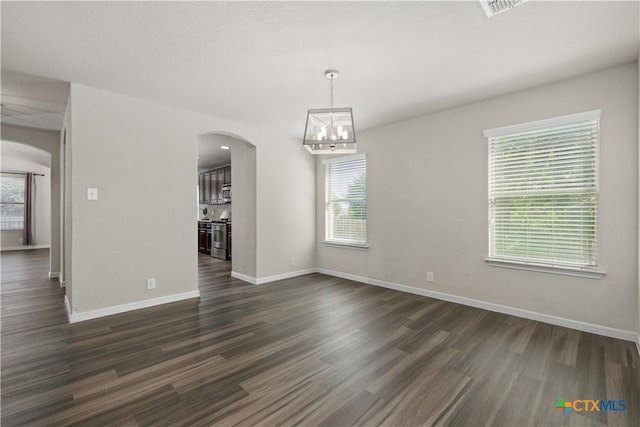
[(92, 194)]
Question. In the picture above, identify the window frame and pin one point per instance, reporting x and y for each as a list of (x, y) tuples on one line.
[(522, 263), (340, 242), (23, 203)]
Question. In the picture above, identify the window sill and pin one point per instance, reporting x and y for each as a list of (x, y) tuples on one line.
[(355, 246), (589, 273)]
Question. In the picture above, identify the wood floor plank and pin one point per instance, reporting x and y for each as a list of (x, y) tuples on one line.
[(313, 351)]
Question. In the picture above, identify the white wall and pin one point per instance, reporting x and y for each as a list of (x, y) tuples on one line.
[(427, 203), (243, 197), (286, 214), (142, 157)]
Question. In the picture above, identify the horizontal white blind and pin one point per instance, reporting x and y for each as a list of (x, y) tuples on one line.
[(12, 202), (346, 200), (543, 195)]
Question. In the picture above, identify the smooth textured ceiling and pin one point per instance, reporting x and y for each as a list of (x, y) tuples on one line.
[(263, 62), (32, 101), (210, 155), (13, 152)]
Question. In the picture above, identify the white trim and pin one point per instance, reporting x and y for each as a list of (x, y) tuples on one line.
[(544, 268), (243, 277), (541, 317), (275, 277), (359, 247), (116, 309), (532, 315), (541, 124), (344, 158), (67, 306), (24, 247), (54, 274)]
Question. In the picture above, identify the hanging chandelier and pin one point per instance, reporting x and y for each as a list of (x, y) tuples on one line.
[(330, 130)]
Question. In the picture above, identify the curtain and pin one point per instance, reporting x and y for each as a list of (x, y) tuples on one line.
[(29, 233)]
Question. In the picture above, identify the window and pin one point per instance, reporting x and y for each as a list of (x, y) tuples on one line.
[(11, 203), (346, 200), (543, 193)]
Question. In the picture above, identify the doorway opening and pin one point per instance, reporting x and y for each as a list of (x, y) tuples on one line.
[(25, 211), (226, 193)]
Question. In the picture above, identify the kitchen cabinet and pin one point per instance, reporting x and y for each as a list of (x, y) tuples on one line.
[(211, 182), (219, 183), (207, 187), (202, 240), (201, 197), (204, 237)]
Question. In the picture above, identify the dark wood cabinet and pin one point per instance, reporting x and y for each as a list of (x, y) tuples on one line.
[(219, 183), (211, 182), (202, 240), (204, 237), (202, 198), (207, 187)]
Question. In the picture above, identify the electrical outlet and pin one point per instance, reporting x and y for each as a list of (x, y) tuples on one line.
[(151, 283), (429, 276), (292, 261), (20, 240)]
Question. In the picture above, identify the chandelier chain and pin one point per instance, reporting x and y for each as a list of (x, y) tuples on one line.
[(331, 86)]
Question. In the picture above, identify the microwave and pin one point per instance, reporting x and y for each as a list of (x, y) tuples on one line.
[(226, 193)]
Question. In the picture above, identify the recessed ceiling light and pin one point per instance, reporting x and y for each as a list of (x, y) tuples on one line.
[(224, 147)]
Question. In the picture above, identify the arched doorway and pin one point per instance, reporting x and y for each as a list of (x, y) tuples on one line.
[(241, 155), (35, 151)]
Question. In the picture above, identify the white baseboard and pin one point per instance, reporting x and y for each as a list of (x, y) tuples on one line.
[(541, 317), (289, 275), (54, 274), (67, 305), (244, 277), (116, 309), (24, 248), (275, 277)]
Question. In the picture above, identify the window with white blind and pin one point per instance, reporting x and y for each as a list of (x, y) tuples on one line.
[(11, 202), (346, 200), (543, 194)]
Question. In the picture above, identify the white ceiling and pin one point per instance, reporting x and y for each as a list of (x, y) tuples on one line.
[(18, 157), (210, 155), (264, 62), (33, 101)]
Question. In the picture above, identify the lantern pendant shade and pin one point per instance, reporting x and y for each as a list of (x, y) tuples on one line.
[(330, 130)]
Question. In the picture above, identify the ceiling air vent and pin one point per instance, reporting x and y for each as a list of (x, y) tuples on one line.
[(493, 7)]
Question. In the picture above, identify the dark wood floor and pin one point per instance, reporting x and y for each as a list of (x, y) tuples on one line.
[(314, 350)]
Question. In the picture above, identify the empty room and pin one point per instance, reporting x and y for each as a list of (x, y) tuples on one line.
[(320, 213)]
